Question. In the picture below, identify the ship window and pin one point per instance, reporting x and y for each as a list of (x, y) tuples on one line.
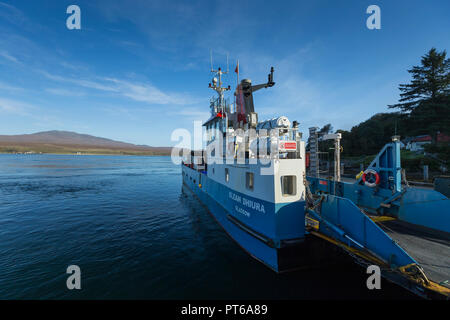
[(289, 185), (249, 180), (227, 175)]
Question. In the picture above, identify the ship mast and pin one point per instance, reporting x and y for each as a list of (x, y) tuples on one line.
[(217, 84)]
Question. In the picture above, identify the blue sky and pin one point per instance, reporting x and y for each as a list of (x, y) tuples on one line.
[(137, 70)]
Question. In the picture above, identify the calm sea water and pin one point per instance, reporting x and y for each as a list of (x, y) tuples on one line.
[(135, 233)]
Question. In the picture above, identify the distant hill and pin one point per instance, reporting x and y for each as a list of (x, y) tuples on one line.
[(72, 142)]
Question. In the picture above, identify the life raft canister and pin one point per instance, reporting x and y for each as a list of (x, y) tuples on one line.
[(371, 178)]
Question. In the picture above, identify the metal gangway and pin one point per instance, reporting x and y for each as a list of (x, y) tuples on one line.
[(403, 230)]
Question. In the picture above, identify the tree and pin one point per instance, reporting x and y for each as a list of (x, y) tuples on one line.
[(326, 129), (368, 137), (430, 82)]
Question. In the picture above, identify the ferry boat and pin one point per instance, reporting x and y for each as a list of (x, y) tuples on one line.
[(251, 176), (257, 197)]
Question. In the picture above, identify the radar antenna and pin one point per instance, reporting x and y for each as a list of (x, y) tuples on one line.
[(217, 81)]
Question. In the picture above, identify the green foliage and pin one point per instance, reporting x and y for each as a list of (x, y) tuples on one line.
[(425, 101), (424, 109), (430, 81), (326, 129), (369, 136), (429, 117), (414, 162), (442, 149)]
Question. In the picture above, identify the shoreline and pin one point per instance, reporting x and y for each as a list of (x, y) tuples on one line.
[(85, 154)]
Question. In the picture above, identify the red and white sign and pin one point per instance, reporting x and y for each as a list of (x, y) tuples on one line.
[(288, 145)]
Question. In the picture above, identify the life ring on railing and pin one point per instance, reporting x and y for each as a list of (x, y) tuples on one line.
[(371, 178)]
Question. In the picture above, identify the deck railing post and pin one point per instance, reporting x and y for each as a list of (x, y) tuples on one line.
[(425, 172)]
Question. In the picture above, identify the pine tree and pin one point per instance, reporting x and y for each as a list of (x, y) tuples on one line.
[(431, 82), (326, 129)]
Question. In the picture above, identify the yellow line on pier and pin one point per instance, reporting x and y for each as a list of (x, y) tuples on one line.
[(381, 218)]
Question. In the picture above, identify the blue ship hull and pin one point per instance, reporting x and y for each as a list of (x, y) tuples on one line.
[(276, 237)]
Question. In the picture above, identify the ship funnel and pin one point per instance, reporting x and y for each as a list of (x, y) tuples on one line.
[(246, 84)]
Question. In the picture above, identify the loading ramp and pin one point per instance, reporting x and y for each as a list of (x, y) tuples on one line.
[(431, 249)]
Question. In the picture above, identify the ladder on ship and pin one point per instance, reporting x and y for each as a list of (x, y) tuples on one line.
[(314, 152)]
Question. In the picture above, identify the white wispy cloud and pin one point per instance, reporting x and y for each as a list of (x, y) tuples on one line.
[(11, 13), (7, 87), (146, 92), (15, 107), (64, 92), (9, 57), (79, 82), (138, 91), (200, 113), (35, 115), (72, 66)]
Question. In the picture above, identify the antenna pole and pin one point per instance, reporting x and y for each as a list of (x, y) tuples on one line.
[(227, 64), (237, 75), (210, 55), (237, 68)]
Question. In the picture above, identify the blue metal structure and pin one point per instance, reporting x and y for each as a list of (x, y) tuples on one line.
[(387, 164), (424, 207), (341, 220)]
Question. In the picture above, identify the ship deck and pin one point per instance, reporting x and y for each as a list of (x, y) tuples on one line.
[(430, 248), (414, 184)]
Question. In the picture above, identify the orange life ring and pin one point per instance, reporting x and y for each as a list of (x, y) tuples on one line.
[(371, 183)]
